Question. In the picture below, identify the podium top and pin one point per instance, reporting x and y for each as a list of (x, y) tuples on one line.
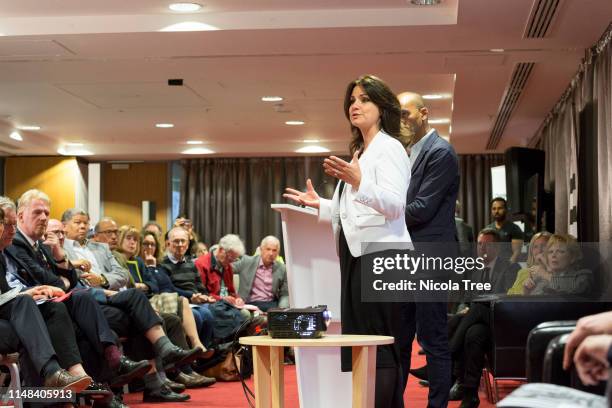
[(330, 340), (296, 208)]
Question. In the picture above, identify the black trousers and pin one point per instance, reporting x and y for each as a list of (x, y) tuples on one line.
[(92, 324), (428, 321), (23, 328), (375, 318), (130, 315), (470, 342)]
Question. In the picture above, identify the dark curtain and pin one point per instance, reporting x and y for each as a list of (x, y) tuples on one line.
[(576, 137), (475, 187), (233, 195)]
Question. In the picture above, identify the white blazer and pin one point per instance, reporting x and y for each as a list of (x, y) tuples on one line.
[(376, 212)]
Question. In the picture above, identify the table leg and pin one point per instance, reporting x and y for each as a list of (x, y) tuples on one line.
[(261, 372), (278, 371), (364, 376)]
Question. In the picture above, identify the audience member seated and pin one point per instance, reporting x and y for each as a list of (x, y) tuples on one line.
[(201, 249), (263, 280), (536, 263), (184, 222), (185, 278), (507, 230), (128, 312), (36, 330), (154, 227), (145, 279), (98, 265), (562, 274), (106, 231), (215, 269)]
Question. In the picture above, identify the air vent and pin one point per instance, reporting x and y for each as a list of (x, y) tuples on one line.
[(541, 17), (509, 101)]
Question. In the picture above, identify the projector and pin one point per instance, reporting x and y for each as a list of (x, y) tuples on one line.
[(298, 323)]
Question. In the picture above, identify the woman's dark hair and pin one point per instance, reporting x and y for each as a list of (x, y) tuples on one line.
[(158, 251), (386, 101)]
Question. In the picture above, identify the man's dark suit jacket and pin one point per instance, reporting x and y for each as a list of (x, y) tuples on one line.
[(502, 276), (432, 193), (31, 269)]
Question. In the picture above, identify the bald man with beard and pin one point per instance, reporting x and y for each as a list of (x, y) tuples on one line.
[(430, 217)]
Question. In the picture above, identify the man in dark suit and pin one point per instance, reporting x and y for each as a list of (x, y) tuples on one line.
[(263, 279), (430, 217), (23, 327)]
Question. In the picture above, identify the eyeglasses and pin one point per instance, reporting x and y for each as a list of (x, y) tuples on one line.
[(149, 244), (109, 232), (180, 241)]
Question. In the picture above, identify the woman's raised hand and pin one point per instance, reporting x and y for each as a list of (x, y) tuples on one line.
[(309, 198)]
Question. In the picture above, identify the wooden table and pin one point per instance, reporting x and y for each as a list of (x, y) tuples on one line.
[(268, 365)]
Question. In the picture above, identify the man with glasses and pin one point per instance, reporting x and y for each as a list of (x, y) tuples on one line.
[(107, 232), (186, 279), (93, 257)]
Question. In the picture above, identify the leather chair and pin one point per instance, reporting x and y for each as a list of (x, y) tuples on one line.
[(553, 372), (513, 317), (537, 343)]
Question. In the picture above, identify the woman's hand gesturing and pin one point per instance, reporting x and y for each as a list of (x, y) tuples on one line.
[(309, 198)]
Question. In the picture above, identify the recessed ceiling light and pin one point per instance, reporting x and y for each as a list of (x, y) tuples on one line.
[(438, 121), (185, 7), (497, 50), (437, 96), (294, 122), (74, 144), (425, 2), (164, 125), (313, 149), (16, 136), (271, 98), (189, 26), (197, 150), (68, 150), (28, 127), (311, 140), (194, 142)]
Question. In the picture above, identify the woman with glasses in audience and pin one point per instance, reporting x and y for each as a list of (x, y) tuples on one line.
[(562, 273), (162, 296)]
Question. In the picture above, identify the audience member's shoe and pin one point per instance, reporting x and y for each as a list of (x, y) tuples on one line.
[(129, 370), (97, 390), (116, 402), (194, 380), (420, 373), (424, 383), (177, 357), (63, 379), (470, 402), (470, 398), (456, 392), (163, 394), (174, 386)]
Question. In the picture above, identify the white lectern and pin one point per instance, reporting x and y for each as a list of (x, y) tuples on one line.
[(313, 276)]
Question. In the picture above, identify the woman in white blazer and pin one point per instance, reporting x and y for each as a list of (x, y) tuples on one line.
[(367, 208)]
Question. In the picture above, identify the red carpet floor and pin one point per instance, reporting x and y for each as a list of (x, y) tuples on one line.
[(226, 395)]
